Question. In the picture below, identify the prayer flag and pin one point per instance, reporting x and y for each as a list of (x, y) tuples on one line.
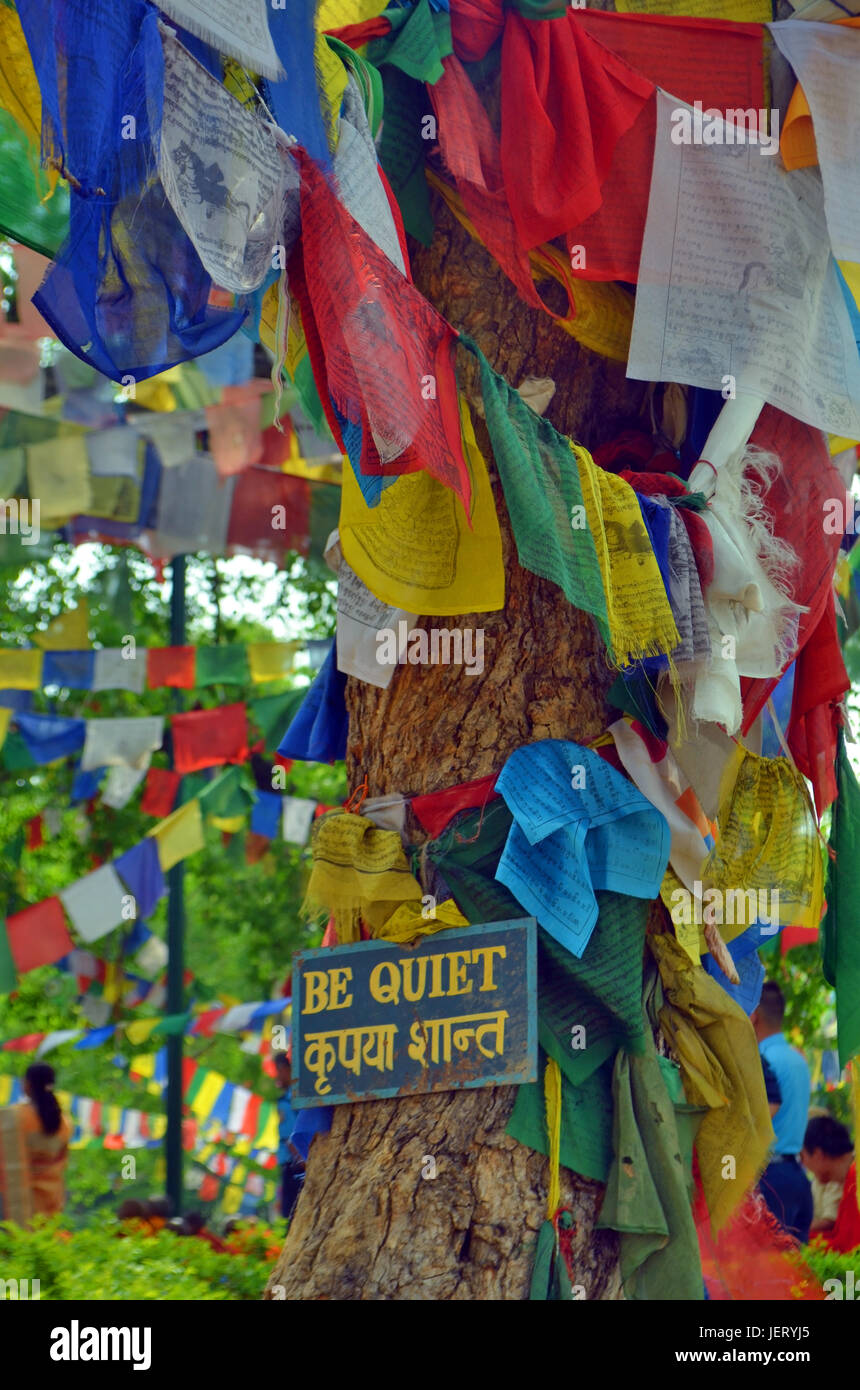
[(38, 935), (207, 738)]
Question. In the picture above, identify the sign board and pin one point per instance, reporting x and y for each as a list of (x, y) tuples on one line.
[(379, 1019)]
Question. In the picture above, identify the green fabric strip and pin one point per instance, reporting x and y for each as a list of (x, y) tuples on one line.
[(541, 484), (840, 926), (8, 976), (23, 216), (226, 795), (226, 664), (601, 993), (586, 1121), (419, 40), (646, 1198), (466, 856)]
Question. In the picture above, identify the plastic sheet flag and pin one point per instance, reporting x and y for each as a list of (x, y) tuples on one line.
[(129, 742), (115, 670), (94, 904), (38, 935), (224, 173)]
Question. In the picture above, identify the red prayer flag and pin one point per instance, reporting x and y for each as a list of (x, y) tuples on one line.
[(252, 1116), (209, 737), (38, 935), (35, 837), (159, 792), (172, 666), (436, 808), (379, 350), (28, 1043), (269, 515)]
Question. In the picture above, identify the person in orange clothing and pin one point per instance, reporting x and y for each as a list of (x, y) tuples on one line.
[(828, 1154), (34, 1150)]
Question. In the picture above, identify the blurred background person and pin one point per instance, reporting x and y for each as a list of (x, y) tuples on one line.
[(828, 1153), (34, 1150), (784, 1184)]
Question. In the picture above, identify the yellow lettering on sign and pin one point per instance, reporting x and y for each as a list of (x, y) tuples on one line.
[(413, 991), (487, 952), (459, 960), (437, 991), (338, 987), (316, 991), (385, 993)]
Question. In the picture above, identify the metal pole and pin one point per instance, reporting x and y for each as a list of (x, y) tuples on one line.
[(175, 943)]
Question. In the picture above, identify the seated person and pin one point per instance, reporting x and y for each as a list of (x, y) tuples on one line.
[(828, 1154)]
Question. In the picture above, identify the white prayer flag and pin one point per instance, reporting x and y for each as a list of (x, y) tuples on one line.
[(94, 903), (298, 817), (116, 742), (121, 784), (112, 670)]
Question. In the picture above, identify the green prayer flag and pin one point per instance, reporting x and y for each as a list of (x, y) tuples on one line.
[(172, 1024), (466, 856), (403, 150), (15, 755), (418, 41), (840, 926), (273, 714), (586, 1120), (226, 664), (8, 975), (227, 795), (192, 784), (646, 1198), (24, 217), (540, 479), (594, 1001)]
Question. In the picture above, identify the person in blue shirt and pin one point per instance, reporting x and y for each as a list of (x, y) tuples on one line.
[(290, 1160), (784, 1184)]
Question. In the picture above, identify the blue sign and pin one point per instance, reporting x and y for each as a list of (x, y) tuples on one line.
[(379, 1019)]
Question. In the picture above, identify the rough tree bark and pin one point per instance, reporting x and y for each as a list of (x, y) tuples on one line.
[(368, 1225)]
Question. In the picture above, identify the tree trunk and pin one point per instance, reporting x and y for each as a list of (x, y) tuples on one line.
[(368, 1224)]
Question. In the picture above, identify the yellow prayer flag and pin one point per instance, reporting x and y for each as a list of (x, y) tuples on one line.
[(688, 934), (68, 633), (144, 1066), (851, 271), (269, 1138), (838, 443), (739, 11), (21, 670), (229, 824), (139, 1030), (202, 1104), (179, 835), (58, 471), (409, 922), (5, 716), (19, 88), (336, 14), (113, 982), (232, 1200), (332, 77), (113, 1123), (797, 141), (5, 1089), (238, 1176), (158, 1125), (415, 549), (271, 661), (155, 394)]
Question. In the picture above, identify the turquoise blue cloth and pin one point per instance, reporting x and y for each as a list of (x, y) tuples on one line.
[(792, 1073), (568, 840)]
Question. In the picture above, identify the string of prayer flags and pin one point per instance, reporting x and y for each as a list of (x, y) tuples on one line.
[(768, 847), (721, 1071), (578, 826), (359, 874), (207, 738)]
